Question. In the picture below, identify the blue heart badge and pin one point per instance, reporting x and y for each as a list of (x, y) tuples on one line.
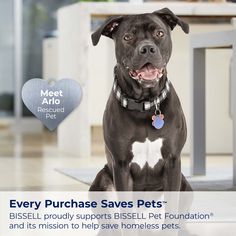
[(51, 102)]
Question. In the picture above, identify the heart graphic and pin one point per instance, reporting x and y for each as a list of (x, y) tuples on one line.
[(51, 103)]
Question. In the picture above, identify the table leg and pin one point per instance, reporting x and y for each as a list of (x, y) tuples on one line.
[(233, 109), (198, 137)]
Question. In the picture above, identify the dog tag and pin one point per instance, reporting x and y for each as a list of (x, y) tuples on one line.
[(158, 121), (52, 102)]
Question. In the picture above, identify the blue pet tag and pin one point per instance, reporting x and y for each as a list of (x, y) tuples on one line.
[(158, 121)]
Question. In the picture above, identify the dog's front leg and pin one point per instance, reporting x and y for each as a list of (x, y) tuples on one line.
[(122, 177), (172, 173), (172, 182), (120, 165)]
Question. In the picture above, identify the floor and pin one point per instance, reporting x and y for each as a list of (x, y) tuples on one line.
[(29, 162)]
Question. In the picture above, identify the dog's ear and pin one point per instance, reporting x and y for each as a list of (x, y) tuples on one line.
[(107, 29), (171, 19)]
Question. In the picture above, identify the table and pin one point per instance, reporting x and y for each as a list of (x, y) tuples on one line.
[(199, 43)]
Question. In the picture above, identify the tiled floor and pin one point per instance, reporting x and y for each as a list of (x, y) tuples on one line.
[(29, 162)]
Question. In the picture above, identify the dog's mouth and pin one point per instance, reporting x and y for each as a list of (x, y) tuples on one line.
[(147, 72)]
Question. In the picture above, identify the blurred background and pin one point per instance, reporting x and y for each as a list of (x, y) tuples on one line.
[(43, 39)]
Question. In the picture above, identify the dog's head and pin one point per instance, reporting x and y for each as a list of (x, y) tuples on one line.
[(143, 43)]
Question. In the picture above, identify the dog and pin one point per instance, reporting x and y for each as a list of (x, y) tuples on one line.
[(143, 124)]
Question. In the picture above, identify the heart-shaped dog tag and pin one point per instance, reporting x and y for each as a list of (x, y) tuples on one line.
[(52, 102)]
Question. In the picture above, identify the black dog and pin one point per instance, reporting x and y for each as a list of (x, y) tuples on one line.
[(144, 125)]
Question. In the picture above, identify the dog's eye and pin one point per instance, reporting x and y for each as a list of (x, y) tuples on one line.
[(160, 33), (128, 37)]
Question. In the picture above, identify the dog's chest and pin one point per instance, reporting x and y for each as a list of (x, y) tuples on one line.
[(147, 152)]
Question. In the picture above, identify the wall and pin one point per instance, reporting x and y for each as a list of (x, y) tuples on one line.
[(50, 58), (6, 47)]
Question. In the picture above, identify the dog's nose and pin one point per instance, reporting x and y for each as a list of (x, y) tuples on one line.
[(147, 49)]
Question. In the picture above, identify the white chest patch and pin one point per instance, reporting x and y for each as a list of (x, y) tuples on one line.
[(147, 152)]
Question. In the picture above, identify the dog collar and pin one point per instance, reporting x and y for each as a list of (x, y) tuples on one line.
[(132, 104)]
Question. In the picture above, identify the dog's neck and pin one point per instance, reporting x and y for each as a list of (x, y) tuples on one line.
[(134, 90)]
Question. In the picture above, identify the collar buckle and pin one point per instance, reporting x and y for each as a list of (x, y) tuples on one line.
[(135, 105)]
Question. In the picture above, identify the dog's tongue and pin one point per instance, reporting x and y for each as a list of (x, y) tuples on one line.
[(149, 72)]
